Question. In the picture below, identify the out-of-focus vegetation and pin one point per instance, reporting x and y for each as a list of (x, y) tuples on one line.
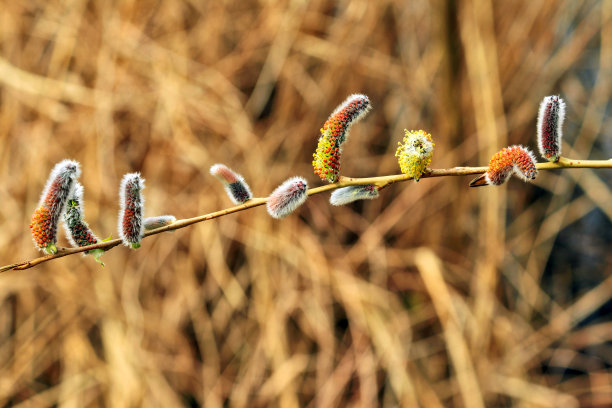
[(434, 295)]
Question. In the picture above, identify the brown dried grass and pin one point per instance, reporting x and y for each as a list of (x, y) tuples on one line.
[(431, 295)]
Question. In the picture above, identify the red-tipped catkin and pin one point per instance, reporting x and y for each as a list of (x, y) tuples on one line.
[(132, 208), (52, 204), (77, 230), (326, 161), (287, 197), (550, 127), (346, 195), (151, 223), (508, 161), (236, 188)]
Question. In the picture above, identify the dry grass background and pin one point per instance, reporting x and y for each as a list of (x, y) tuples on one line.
[(433, 295)]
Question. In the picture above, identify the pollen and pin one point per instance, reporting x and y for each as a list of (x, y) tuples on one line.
[(414, 153)]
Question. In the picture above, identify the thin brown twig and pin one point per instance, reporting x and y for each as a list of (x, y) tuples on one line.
[(380, 181)]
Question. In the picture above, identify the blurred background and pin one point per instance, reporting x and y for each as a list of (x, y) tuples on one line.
[(434, 295)]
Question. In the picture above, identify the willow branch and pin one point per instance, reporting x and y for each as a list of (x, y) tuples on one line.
[(381, 182)]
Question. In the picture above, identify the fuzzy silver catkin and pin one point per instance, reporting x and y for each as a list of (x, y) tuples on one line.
[(287, 197), (151, 223), (550, 127), (346, 195), (52, 204), (130, 223), (78, 232), (236, 188)]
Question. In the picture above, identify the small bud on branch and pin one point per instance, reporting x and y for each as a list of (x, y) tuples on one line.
[(151, 223), (346, 195)]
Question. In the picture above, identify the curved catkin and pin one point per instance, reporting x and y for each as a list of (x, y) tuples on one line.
[(78, 232), (334, 133), (550, 127), (132, 209), (524, 164), (510, 160), (236, 188), (346, 195), (151, 223), (287, 197), (52, 204)]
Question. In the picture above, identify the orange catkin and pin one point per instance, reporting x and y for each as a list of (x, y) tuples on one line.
[(51, 206), (510, 160), (326, 161)]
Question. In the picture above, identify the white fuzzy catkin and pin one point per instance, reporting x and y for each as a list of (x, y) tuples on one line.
[(65, 173), (130, 223), (550, 127), (287, 197), (346, 195), (151, 223)]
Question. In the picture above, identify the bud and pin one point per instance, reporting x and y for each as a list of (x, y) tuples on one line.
[(151, 223), (235, 186), (77, 230), (508, 161), (550, 127), (52, 204), (132, 209), (287, 197), (326, 161), (414, 155), (346, 195)]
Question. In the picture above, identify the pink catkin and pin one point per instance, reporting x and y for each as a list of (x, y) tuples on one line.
[(236, 188), (287, 197), (224, 173)]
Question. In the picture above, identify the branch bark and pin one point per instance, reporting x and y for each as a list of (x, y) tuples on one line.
[(381, 182)]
